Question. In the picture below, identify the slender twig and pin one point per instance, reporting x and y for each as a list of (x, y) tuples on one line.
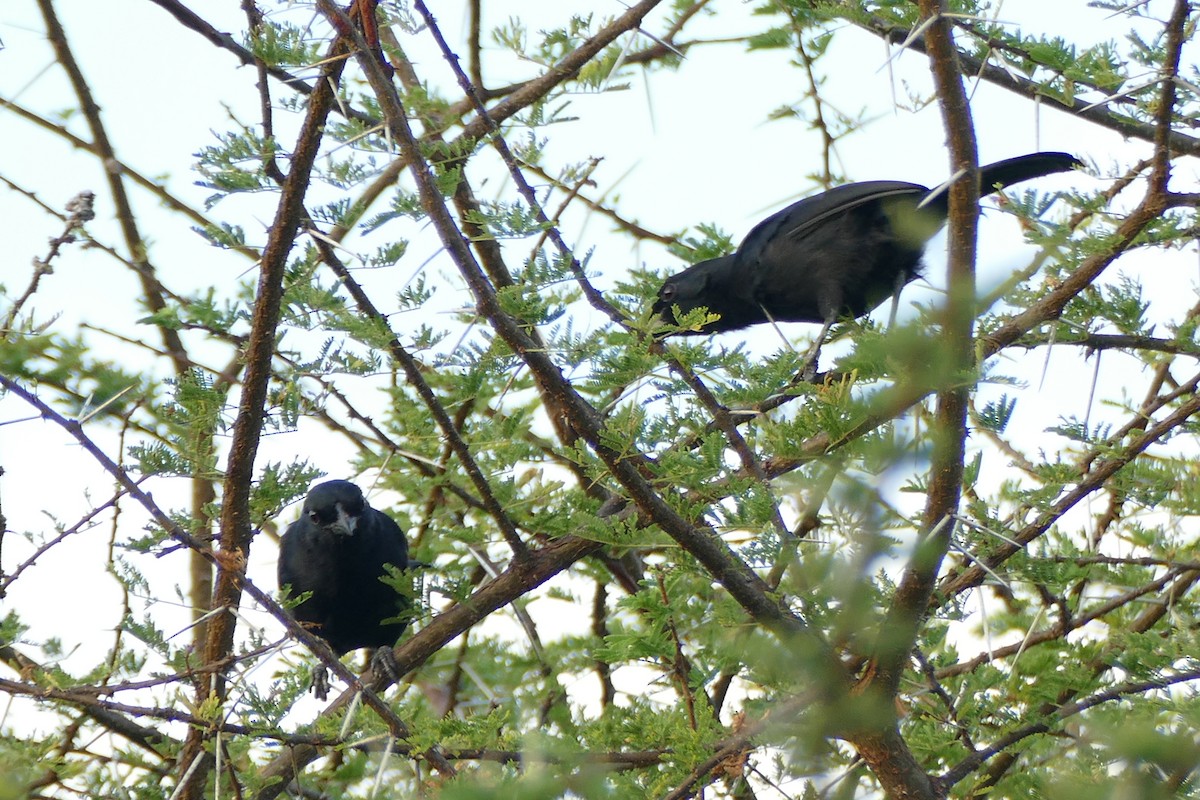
[(720, 414), (83, 524), (1060, 630), (1045, 725), (416, 379), (955, 583), (79, 212), (628, 468), (1100, 115)]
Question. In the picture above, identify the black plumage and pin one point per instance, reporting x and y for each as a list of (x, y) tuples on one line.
[(836, 254), (337, 552)]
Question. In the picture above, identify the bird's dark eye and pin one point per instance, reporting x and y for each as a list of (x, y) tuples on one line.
[(667, 292), (312, 515)]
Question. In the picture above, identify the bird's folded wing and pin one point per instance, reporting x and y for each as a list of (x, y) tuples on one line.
[(841, 199)]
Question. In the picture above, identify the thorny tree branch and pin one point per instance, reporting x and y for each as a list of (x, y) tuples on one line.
[(1052, 305), (720, 414), (169, 200), (883, 748), (950, 417), (154, 294), (236, 530), (634, 475), (1059, 631), (1107, 466), (746, 587), (517, 580), (117, 721), (1055, 716), (412, 373), (79, 212), (1002, 758), (82, 524), (152, 290), (1095, 112)]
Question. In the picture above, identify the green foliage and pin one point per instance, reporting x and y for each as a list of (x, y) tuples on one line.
[(223, 235), (711, 243), (277, 486), (1060, 633), (235, 165), (996, 415), (190, 423), (282, 44)]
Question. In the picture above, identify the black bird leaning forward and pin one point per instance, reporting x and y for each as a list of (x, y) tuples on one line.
[(337, 553), (836, 254)]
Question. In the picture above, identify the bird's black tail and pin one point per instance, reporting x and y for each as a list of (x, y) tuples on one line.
[(1022, 168)]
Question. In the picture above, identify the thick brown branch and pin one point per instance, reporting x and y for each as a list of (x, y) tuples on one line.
[(743, 584), (909, 604), (518, 579), (236, 532)]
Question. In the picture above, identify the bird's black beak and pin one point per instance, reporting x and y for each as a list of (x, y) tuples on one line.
[(345, 524)]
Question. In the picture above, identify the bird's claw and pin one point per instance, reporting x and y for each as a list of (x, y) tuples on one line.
[(809, 373), (320, 682), (383, 663)]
